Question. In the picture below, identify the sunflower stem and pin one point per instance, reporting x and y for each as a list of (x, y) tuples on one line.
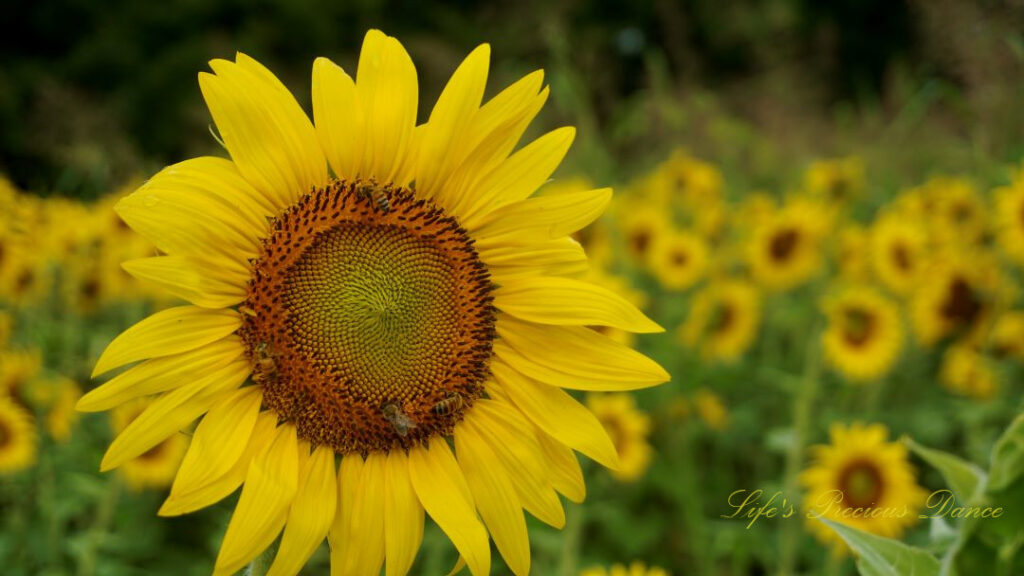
[(571, 535), (98, 530), (803, 402)]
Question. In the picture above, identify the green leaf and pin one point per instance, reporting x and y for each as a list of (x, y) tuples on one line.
[(1008, 456), (878, 556), (962, 476)]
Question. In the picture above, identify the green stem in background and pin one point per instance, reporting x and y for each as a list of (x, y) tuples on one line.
[(692, 513), (571, 536), (803, 402), (98, 531)]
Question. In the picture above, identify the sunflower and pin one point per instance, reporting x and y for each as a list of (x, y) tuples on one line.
[(376, 319), (1009, 215), (6, 327), (1007, 337), (678, 260), (864, 336), (17, 369), (710, 409), (899, 252), (835, 181), (723, 320), (636, 568), (958, 216), (61, 395), (685, 180), (959, 299), (156, 467), (628, 428), (967, 372), (852, 253), (17, 437), (863, 481), (642, 228), (784, 251)]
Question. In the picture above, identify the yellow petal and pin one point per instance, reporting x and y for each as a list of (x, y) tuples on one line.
[(161, 374), (337, 113), (574, 357), (220, 439), (561, 257), (311, 514), (566, 301), (167, 332), (172, 412), (264, 129), (388, 91), (442, 489), (495, 497), (270, 487), (357, 536), (442, 148), (519, 176), (199, 208), (403, 516), (182, 502), (510, 436), (563, 468), (557, 414), (542, 218), (190, 278)]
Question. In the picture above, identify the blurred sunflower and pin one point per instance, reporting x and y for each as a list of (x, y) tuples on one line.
[(710, 409), (628, 428), (723, 320), (899, 252), (959, 299), (835, 181), (864, 336), (968, 372), (6, 328), (446, 317), (678, 260), (637, 568), (18, 440), (642, 228), (1007, 337), (860, 470), (785, 251), (958, 216), (1009, 215), (58, 395), (17, 369), (156, 467), (687, 181), (853, 255), (25, 278)]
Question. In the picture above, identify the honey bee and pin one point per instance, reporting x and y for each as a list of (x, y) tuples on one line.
[(374, 195), (451, 404), (266, 368), (399, 420)]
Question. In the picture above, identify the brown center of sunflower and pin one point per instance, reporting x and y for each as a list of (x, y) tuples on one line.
[(962, 305), (861, 484), (5, 434), (723, 318), (901, 256), (858, 325), (679, 257), (369, 318), (783, 243), (639, 240)]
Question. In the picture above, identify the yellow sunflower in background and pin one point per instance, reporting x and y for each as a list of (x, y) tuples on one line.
[(785, 250), (636, 568), (6, 328), (642, 228), (835, 181), (899, 252), (18, 440), (58, 396), (958, 216), (413, 298), (1009, 219), (17, 369), (629, 429), (1007, 337), (723, 320), (710, 409), (683, 179), (864, 335), (967, 372), (853, 255), (156, 467), (960, 297), (678, 260), (861, 470)]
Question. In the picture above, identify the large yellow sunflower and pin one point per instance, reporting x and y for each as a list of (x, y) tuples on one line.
[(864, 336), (18, 437), (863, 481), (724, 319), (407, 298), (156, 467)]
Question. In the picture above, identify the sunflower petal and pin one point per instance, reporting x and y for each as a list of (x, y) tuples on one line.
[(542, 218), (566, 301), (220, 439), (311, 514), (339, 119), (172, 412), (574, 357), (561, 257), (517, 451), (270, 487), (167, 332), (563, 468), (495, 497), (190, 278), (161, 374), (182, 502), (264, 129), (403, 516), (357, 536), (442, 489), (557, 414)]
